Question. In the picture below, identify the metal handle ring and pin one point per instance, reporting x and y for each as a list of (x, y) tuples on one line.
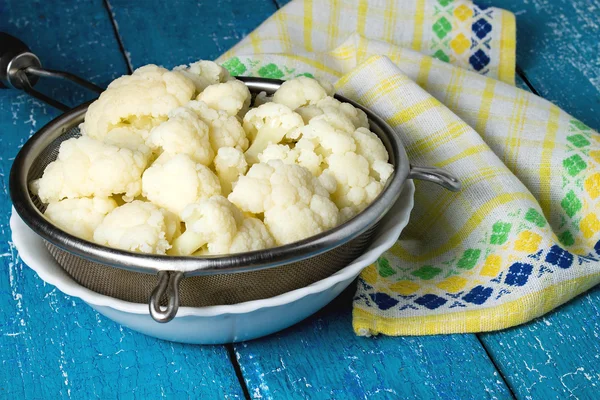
[(167, 283)]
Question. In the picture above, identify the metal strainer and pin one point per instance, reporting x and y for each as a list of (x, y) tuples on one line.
[(167, 282)]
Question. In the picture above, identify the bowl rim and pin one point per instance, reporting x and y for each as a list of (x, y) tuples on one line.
[(235, 263)]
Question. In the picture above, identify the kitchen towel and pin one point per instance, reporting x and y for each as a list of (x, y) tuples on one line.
[(522, 237)]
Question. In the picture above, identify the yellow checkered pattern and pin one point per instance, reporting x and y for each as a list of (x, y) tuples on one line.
[(522, 237)]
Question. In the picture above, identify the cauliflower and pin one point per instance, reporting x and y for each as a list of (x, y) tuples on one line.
[(262, 98), (173, 182), (86, 167), (204, 73), (303, 154), (138, 226), (308, 112), (269, 123), (326, 139), (137, 102), (356, 160), (252, 235), (355, 115), (233, 97), (229, 164), (224, 130), (299, 92), (217, 224), (183, 133), (80, 217), (294, 203)]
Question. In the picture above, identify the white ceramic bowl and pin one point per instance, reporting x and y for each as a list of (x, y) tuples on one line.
[(217, 324)]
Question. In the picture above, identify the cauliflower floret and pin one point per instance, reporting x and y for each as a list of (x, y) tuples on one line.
[(137, 102), (252, 235), (204, 73), (173, 182), (269, 123), (224, 130), (299, 92), (357, 161), (233, 97), (210, 222), (356, 188), (294, 203), (326, 138), (309, 112), (371, 147), (183, 133), (86, 167), (229, 164), (281, 152), (80, 217), (262, 98), (355, 115), (216, 226), (138, 226)]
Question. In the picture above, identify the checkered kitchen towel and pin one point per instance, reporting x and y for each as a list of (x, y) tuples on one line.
[(522, 237)]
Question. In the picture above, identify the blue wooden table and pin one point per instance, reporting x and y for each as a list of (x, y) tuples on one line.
[(53, 346)]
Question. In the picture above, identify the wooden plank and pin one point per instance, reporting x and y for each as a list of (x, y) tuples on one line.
[(53, 346), (557, 49), (323, 358), (180, 31), (554, 357)]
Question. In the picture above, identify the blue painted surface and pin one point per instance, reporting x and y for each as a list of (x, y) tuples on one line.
[(180, 31), (322, 358), (57, 347), (53, 346)]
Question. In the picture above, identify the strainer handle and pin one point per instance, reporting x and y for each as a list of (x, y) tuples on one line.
[(435, 175), (20, 69), (168, 282)]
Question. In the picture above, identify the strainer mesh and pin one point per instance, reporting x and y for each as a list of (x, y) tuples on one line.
[(198, 291)]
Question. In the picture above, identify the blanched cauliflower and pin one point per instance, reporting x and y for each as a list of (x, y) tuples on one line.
[(269, 123), (137, 102), (183, 133), (233, 97), (161, 148), (204, 73), (217, 224), (299, 92), (138, 226), (224, 130), (230, 163), (86, 167), (80, 217), (294, 203), (252, 235), (357, 160), (356, 115), (173, 182)]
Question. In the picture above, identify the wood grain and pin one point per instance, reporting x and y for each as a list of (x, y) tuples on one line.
[(179, 31), (53, 346), (323, 358)]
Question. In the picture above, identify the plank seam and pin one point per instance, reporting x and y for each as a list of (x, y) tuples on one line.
[(522, 75), (115, 27), (238, 370), (497, 367)]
